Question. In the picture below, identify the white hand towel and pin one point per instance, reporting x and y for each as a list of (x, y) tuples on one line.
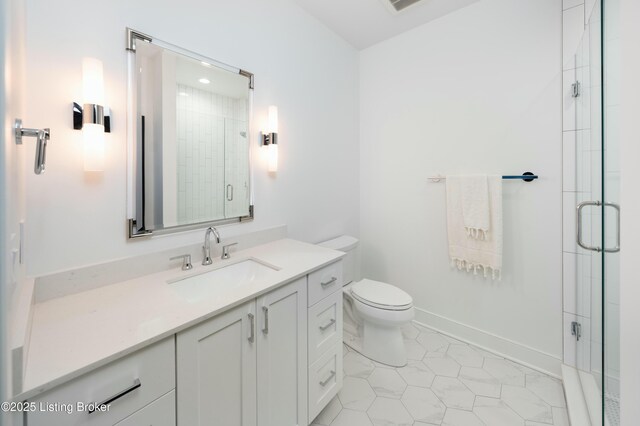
[(465, 252), (475, 205)]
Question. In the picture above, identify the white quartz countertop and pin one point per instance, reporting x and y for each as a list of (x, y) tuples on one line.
[(75, 334)]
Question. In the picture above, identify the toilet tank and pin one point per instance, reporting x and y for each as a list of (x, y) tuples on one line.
[(348, 245)]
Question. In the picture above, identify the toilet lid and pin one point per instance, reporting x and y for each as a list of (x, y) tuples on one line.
[(381, 295)]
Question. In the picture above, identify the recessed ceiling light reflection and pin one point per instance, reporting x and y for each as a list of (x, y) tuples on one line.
[(204, 81)]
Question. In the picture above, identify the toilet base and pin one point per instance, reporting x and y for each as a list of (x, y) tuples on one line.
[(384, 345)]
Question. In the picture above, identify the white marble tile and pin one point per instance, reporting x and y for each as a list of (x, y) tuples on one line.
[(494, 412), (465, 355), (410, 331), (423, 405), (352, 418), (433, 342), (461, 418), (504, 371), (441, 364), (560, 417), (329, 413), (387, 382), (389, 412), (356, 394), (356, 365), (416, 373), (453, 393), (548, 389), (345, 350), (480, 382), (527, 404), (415, 350)]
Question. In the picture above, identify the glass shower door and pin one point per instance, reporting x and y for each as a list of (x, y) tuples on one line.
[(610, 165), (597, 203)]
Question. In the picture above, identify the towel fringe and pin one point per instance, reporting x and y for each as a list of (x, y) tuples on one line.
[(465, 265)]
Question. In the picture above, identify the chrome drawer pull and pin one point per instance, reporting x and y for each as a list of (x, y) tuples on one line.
[(328, 379), (136, 385), (331, 281), (324, 327), (265, 330), (253, 330)]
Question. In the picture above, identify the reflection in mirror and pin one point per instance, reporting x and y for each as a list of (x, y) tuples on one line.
[(192, 140)]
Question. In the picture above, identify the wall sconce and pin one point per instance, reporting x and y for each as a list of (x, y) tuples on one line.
[(270, 139), (93, 118)]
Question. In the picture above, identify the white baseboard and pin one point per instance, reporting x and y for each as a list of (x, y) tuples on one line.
[(522, 354)]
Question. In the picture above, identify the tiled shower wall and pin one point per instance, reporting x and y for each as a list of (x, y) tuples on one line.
[(578, 145), (208, 125)]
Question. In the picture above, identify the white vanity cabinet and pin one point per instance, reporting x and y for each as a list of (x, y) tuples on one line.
[(130, 385), (253, 354), (274, 360), (216, 370)]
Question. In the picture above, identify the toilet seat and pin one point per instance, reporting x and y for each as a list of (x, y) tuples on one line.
[(381, 295)]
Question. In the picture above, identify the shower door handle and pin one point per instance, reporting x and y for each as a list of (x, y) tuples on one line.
[(616, 248), (579, 225)]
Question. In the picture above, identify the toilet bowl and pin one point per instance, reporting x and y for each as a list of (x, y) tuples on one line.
[(374, 312)]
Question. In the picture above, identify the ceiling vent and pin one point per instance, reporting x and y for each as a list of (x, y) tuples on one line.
[(396, 6)]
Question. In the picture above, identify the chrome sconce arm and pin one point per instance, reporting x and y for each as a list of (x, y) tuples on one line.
[(91, 114), (42, 137)]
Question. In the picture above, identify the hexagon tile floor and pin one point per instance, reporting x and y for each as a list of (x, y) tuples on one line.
[(446, 382)]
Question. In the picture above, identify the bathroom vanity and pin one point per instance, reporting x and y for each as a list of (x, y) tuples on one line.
[(251, 340)]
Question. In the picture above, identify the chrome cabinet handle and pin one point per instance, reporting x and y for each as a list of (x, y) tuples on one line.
[(331, 281), (136, 385), (229, 197), (579, 225), (328, 379), (265, 330), (324, 327), (252, 334), (617, 246)]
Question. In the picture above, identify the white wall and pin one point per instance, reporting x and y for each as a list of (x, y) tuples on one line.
[(75, 219), (12, 199), (630, 203), (475, 91)]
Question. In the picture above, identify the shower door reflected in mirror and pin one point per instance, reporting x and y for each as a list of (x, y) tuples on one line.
[(597, 183)]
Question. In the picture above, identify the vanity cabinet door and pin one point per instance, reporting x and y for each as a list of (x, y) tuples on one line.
[(282, 356), (216, 370)]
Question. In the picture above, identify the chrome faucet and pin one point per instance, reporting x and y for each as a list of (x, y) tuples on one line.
[(206, 248)]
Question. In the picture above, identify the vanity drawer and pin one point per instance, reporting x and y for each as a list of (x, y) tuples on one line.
[(325, 380), (161, 412), (134, 381), (325, 281), (325, 325)]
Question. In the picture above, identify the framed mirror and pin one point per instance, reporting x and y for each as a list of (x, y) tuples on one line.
[(189, 142)]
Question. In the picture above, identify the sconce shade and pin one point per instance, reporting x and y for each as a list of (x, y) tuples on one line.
[(92, 81), (93, 141), (273, 119), (93, 119), (272, 160)]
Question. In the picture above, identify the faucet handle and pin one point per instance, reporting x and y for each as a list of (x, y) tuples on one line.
[(225, 251), (186, 261)]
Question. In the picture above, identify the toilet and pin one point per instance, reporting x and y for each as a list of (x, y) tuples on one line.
[(374, 312)]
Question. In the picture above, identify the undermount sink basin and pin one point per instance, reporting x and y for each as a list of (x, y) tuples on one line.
[(222, 279)]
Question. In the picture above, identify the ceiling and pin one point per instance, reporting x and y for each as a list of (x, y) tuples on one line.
[(364, 23)]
